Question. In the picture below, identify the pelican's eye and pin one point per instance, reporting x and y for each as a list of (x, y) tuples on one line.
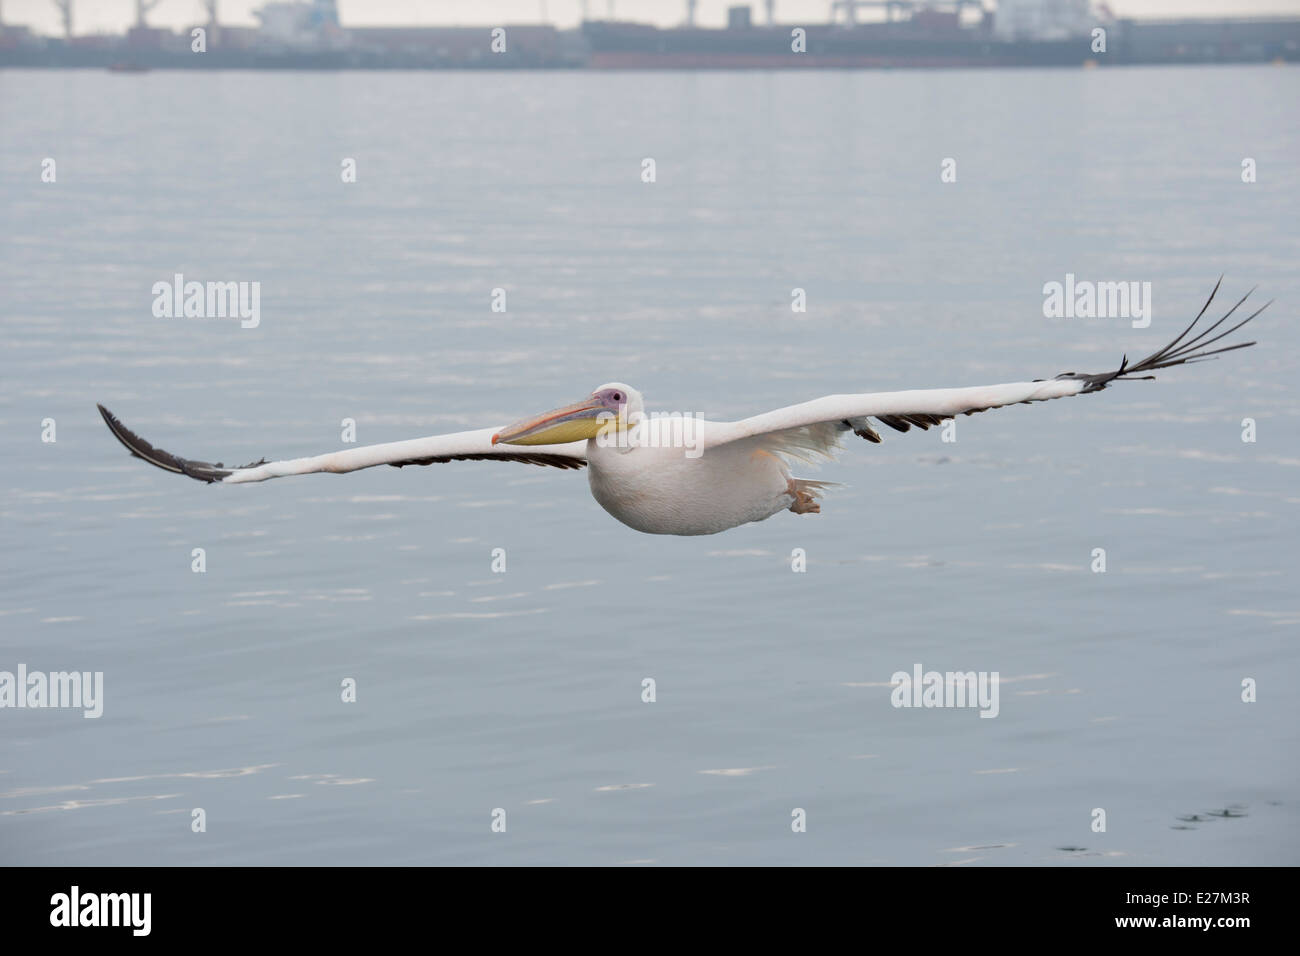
[(617, 396)]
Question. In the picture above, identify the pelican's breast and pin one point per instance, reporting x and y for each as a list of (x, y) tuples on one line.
[(667, 489)]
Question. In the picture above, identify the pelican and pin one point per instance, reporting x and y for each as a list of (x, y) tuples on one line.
[(687, 476)]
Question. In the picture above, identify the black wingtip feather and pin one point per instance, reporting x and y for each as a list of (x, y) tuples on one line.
[(1190, 352), (137, 446)]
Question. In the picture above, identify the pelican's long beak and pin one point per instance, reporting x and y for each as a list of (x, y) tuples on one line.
[(576, 422)]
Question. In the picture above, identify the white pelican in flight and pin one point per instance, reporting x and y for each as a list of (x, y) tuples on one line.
[(689, 476)]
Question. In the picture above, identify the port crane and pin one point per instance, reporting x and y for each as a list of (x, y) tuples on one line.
[(142, 9), (65, 14)]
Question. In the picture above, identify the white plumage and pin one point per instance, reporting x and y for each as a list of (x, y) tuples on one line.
[(689, 476)]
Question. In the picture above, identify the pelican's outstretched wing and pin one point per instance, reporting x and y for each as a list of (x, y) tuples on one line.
[(811, 430), (460, 446)]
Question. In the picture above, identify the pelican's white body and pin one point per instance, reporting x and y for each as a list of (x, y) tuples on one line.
[(663, 490)]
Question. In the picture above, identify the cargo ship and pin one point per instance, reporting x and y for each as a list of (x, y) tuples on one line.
[(1067, 33), (918, 42)]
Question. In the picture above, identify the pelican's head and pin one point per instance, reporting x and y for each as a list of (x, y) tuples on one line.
[(613, 406)]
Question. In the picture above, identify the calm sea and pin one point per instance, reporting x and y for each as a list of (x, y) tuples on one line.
[(522, 692)]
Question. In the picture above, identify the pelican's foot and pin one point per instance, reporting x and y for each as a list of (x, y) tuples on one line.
[(804, 503)]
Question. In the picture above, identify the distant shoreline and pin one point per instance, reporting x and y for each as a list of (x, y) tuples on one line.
[(924, 43)]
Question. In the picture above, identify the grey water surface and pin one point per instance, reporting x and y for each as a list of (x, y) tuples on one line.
[(522, 691)]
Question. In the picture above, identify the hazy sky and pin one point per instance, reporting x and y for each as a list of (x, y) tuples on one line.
[(114, 15)]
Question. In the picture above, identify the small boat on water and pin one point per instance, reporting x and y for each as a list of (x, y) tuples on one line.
[(126, 67)]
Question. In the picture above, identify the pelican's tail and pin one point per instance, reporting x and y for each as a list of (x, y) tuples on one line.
[(814, 489)]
